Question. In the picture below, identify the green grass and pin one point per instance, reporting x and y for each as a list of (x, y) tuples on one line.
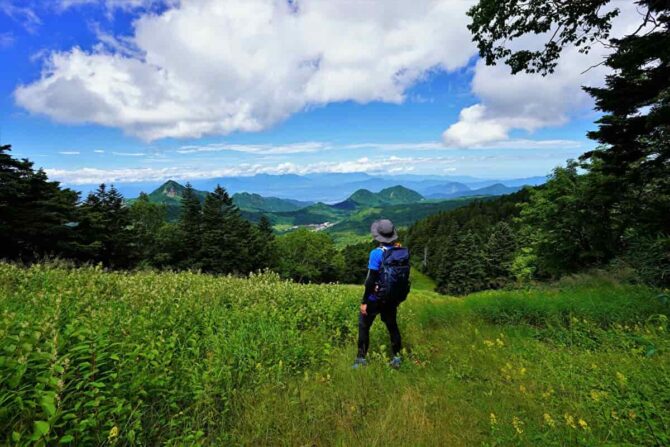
[(182, 359)]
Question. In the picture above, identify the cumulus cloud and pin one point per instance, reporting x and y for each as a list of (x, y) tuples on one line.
[(207, 67), (530, 101)]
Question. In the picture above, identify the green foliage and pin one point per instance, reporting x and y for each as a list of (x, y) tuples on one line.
[(90, 358), (355, 262), (147, 219), (567, 222), (496, 24), (650, 257), (499, 252), (307, 256), (470, 248)]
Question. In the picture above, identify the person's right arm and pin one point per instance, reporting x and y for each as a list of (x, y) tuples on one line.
[(374, 265)]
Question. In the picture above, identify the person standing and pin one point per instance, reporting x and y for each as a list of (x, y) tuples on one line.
[(386, 286)]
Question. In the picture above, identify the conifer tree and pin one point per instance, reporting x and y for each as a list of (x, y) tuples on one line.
[(190, 229), (217, 248), (262, 249), (37, 217), (105, 228), (500, 249)]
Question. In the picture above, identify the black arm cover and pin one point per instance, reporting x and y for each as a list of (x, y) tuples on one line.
[(370, 283)]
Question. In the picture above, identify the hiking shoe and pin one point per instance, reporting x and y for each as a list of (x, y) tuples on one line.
[(360, 361), (395, 363)]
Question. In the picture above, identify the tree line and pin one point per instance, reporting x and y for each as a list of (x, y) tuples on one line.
[(40, 220)]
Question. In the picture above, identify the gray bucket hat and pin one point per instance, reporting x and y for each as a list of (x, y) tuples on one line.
[(384, 231)]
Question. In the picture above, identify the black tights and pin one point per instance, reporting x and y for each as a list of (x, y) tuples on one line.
[(388, 314)]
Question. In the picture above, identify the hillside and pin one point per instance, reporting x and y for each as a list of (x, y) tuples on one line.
[(497, 189), (255, 202), (358, 223), (395, 195), (184, 358)]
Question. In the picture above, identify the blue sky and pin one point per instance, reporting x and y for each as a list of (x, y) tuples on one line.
[(144, 90)]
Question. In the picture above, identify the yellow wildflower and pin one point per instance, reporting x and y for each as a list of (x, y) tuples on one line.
[(499, 342), (620, 378), (489, 343), (597, 395), (113, 433), (583, 424), (569, 421), (517, 424), (493, 418), (549, 420), (522, 371)]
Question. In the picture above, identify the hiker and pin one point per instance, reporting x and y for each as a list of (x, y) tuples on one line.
[(386, 286)]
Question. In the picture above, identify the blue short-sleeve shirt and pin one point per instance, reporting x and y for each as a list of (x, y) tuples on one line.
[(375, 262), (376, 257)]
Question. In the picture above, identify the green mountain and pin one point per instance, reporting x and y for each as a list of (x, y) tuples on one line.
[(395, 195), (257, 203), (399, 195), (363, 197), (170, 194)]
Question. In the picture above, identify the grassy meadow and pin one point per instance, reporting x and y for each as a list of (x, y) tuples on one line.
[(89, 357)]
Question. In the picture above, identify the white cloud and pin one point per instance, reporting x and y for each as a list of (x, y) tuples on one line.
[(220, 66), (261, 149), (22, 13), (99, 151), (530, 102), (317, 146), (116, 4), (396, 146), (129, 154), (69, 152), (6, 40), (392, 164)]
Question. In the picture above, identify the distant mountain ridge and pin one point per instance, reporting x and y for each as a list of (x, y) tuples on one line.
[(333, 187), (497, 189)]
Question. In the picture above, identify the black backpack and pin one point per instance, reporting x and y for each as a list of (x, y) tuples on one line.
[(394, 281)]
